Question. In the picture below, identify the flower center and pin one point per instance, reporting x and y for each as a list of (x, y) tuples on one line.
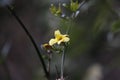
[(60, 38)]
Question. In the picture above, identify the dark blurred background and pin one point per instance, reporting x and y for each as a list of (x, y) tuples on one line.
[(94, 50)]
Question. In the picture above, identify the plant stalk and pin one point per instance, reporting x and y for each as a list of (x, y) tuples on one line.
[(31, 39), (62, 64)]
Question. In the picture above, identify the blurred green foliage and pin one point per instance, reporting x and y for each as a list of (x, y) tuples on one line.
[(115, 26)]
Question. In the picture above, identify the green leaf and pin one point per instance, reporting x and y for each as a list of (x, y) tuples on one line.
[(56, 10)]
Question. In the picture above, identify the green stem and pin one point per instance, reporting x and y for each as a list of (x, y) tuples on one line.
[(32, 40), (57, 72), (69, 27), (62, 63)]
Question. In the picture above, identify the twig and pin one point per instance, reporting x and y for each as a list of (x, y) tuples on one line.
[(31, 38)]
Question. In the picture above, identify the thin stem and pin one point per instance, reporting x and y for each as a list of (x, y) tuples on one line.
[(68, 28), (73, 17), (82, 3), (31, 38), (57, 72), (62, 63), (49, 63)]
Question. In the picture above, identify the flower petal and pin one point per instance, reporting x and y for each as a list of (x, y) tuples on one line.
[(52, 42), (57, 33), (59, 42), (46, 46), (66, 38)]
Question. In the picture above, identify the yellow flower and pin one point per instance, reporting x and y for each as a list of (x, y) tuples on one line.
[(59, 38), (46, 46)]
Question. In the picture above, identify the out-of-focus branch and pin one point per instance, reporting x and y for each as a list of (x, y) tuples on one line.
[(31, 39)]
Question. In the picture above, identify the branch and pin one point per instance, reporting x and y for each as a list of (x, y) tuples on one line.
[(31, 39)]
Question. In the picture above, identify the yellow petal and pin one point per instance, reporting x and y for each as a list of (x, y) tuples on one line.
[(66, 39), (52, 42), (59, 42), (57, 33), (46, 46)]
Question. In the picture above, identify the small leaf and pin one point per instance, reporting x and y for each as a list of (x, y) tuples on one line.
[(53, 9), (56, 10), (74, 6)]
